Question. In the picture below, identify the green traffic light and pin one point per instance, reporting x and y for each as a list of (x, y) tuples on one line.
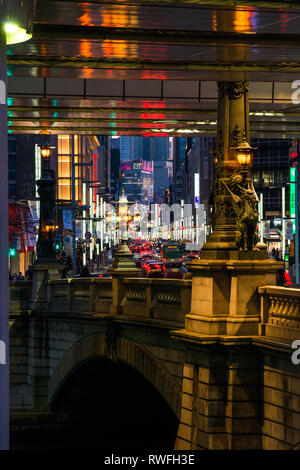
[(12, 252)]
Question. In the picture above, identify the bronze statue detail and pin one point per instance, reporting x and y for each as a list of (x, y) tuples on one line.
[(244, 202)]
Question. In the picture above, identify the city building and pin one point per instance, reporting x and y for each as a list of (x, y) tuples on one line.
[(147, 148), (102, 166), (137, 179), (131, 148), (198, 171), (270, 171), (156, 148), (115, 167), (21, 189), (178, 147), (163, 173), (81, 153)]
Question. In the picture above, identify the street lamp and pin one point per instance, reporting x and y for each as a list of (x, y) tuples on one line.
[(46, 191), (45, 148), (243, 154), (46, 151), (123, 261), (50, 223)]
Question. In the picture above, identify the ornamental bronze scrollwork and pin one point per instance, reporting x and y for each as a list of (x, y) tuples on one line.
[(236, 136), (234, 89)]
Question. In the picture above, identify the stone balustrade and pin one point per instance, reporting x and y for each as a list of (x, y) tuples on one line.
[(159, 299), (90, 295), (19, 296), (280, 312)]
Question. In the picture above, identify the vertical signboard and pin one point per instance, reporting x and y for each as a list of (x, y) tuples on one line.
[(197, 190), (289, 230), (293, 196), (67, 219), (266, 228)]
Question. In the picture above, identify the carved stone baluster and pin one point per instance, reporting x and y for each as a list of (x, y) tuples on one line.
[(271, 310), (275, 310), (285, 311), (296, 315), (282, 302)]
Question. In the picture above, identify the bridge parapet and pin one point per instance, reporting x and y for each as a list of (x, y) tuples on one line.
[(80, 294), (160, 299), (280, 312), (19, 296)]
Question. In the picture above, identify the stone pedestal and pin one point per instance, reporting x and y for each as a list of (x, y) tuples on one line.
[(225, 298), (42, 273)]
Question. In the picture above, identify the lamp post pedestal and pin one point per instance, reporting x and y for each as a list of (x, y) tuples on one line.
[(224, 295), (46, 267), (42, 273)]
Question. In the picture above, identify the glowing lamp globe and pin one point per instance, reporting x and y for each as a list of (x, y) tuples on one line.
[(243, 153), (50, 225), (244, 158), (46, 152)]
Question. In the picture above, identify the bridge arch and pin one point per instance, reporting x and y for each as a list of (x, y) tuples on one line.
[(120, 350)]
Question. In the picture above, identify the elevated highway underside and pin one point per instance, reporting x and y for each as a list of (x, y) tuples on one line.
[(150, 68)]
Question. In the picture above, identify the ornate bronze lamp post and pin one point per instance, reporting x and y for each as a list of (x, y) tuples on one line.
[(232, 264), (234, 201), (46, 190), (123, 265), (123, 258), (46, 266)]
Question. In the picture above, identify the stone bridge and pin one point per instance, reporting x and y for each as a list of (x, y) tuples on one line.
[(111, 362)]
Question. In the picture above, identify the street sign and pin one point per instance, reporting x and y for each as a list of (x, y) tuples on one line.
[(84, 207), (289, 229), (88, 235)]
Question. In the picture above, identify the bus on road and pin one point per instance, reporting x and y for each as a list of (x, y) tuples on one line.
[(171, 252)]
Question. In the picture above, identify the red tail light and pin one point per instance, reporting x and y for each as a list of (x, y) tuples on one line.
[(100, 275), (287, 279)]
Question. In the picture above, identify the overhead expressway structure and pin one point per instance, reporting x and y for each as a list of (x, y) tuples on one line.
[(150, 68)]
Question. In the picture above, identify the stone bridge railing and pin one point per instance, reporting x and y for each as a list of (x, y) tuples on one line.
[(81, 295), (19, 296), (159, 299), (168, 300), (280, 312)]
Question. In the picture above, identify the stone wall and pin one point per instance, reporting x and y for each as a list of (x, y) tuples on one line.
[(40, 344)]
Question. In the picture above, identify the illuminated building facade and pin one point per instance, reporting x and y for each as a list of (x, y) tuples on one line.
[(270, 171), (198, 172), (82, 151), (137, 181)]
